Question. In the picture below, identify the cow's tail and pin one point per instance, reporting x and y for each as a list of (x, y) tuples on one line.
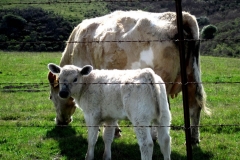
[(201, 99), (200, 93), (191, 31)]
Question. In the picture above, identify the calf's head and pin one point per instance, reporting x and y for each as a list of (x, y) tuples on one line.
[(70, 78)]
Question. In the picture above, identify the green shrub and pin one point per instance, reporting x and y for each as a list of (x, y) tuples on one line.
[(208, 32), (15, 21), (33, 25), (202, 21)]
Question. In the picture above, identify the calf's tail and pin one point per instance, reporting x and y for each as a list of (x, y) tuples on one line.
[(164, 117)]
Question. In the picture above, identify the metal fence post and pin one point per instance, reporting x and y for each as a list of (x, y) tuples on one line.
[(184, 79)]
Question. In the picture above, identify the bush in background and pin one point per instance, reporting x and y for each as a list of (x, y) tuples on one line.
[(33, 29)]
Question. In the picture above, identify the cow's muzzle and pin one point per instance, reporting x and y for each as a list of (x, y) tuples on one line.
[(63, 123)]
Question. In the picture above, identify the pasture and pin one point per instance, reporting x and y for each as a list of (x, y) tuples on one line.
[(27, 128)]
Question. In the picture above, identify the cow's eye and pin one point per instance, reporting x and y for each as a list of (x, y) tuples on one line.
[(75, 80)]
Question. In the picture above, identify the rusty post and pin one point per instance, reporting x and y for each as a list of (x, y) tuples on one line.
[(184, 79)]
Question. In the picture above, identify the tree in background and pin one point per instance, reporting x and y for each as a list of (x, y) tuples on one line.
[(35, 29), (209, 31), (203, 20)]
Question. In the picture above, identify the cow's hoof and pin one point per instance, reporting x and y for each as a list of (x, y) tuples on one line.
[(195, 142), (117, 133)]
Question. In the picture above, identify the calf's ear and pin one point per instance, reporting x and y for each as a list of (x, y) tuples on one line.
[(55, 69), (86, 70)]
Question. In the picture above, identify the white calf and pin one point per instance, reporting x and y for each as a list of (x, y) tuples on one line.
[(109, 95)]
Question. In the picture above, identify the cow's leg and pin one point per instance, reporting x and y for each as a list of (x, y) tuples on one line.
[(144, 140), (93, 128), (195, 121), (117, 132), (154, 133), (108, 135), (197, 102)]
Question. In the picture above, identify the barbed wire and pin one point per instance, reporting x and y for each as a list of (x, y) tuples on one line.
[(35, 87), (53, 2), (125, 126), (124, 41), (47, 83), (50, 2)]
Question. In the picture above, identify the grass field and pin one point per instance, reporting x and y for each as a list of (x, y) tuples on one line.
[(27, 129)]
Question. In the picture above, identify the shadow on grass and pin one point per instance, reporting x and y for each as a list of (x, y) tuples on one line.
[(199, 154), (73, 145)]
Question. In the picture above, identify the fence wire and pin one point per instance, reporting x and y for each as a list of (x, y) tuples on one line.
[(125, 126), (124, 41), (53, 2), (34, 87)]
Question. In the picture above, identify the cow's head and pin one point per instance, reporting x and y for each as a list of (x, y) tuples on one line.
[(70, 78), (64, 107)]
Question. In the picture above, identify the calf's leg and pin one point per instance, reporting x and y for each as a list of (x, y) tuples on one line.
[(108, 135), (93, 128), (163, 130), (164, 141), (144, 140)]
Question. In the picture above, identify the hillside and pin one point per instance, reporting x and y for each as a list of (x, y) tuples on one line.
[(222, 14), (44, 26)]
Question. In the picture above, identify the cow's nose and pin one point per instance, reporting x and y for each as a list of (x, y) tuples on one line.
[(63, 94)]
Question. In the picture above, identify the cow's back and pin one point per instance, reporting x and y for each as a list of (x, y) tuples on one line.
[(101, 42)]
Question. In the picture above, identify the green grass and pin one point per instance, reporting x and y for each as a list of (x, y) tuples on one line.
[(27, 128)]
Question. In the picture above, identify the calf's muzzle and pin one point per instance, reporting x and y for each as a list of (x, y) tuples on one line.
[(63, 94)]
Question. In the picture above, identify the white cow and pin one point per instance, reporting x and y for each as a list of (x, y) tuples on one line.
[(105, 96), (136, 40)]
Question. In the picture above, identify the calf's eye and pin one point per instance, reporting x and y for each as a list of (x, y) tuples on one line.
[(75, 80)]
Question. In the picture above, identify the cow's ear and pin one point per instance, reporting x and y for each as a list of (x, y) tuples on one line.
[(55, 69), (52, 79), (86, 70)]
